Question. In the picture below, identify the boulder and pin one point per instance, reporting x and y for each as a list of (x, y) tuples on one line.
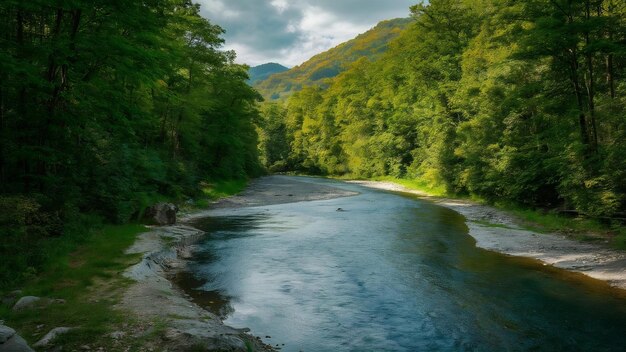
[(5, 333), (45, 341), (26, 302), (162, 214), (29, 302), (12, 342)]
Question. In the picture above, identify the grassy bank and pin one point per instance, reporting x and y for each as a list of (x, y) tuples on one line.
[(83, 268), (580, 228), (415, 184), (217, 190), (88, 279), (539, 220)]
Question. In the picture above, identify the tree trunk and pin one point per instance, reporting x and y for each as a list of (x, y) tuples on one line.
[(589, 82), (19, 36), (23, 161), (610, 80), (2, 139), (609, 75), (52, 67), (582, 119), (162, 135)]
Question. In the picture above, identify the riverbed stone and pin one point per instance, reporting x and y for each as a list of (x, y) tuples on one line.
[(50, 336), (117, 335), (29, 302), (10, 341), (162, 214), (26, 302), (5, 333)]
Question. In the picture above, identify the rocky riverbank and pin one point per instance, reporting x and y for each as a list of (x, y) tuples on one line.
[(165, 251), (152, 297)]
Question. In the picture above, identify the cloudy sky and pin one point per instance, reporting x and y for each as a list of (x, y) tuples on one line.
[(291, 31)]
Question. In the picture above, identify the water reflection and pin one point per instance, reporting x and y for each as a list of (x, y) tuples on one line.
[(392, 273)]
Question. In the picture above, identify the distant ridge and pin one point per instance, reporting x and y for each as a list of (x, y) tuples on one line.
[(320, 67), (261, 72)]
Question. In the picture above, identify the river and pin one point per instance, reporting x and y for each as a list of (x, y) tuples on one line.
[(381, 271)]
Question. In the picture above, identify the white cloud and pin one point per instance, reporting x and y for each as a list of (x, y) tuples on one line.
[(291, 31), (320, 30), (280, 5), (218, 6)]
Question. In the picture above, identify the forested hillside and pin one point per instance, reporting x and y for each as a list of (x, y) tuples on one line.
[(519, 101), (261, 72), (317, 70), (107, 106)]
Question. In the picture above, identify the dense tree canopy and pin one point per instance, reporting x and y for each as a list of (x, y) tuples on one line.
[(510, 100), (107, 105)]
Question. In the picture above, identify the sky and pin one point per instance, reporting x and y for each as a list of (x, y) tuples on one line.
[(289, 32)]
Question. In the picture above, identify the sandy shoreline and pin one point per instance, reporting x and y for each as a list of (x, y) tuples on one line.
[(593, 260), (271, 190)]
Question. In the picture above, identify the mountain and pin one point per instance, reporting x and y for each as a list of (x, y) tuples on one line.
[(319, 68), (261, 72)]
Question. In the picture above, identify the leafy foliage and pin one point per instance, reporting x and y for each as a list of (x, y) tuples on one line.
[(514, 101), (106, 106)]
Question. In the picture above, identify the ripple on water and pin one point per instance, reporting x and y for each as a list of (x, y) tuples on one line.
[(391, 273)]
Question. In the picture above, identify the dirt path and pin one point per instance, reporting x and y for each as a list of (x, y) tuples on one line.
[(497, 231)]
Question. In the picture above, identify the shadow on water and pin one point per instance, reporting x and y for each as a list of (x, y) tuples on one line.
[(215, 301), (391, 273)]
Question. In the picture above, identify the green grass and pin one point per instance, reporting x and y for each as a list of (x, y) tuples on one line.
[(415, 184), (84, 267), (582, 229), (212, 191), (89, 279), (545, 221), (102, 256), (490, 224)]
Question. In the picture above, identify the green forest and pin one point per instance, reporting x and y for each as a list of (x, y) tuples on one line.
[(106, 107), (110, 110), (109, 106), (509, 101)]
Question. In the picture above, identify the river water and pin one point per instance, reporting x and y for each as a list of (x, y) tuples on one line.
[(391, 273)]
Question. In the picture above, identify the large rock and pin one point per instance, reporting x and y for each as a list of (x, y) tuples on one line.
[(26, 302), (29, 302), (162, 214), (45, 341), (12, 342), (5, 333)]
